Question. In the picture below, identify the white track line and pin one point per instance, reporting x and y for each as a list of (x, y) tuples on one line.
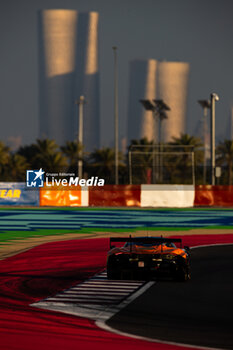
[(86, 292), (96, 298)]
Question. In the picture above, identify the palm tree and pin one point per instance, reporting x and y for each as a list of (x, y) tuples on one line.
[(46, 146), (102, 162), (29, 152), (4, 157), (180, 167), (224, 154), (17, 167), (73, 151), (48, 157), (54, 162), (188, 141), (141, 142)]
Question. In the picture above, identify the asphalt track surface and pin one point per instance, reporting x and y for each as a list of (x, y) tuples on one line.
[(46, 270), (199, 312)]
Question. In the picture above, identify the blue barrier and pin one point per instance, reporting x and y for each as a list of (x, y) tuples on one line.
[(16, 193)]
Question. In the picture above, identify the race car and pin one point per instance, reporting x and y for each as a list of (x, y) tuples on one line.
[(148, 258)]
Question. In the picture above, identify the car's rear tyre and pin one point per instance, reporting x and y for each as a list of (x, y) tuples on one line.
[(112, 275), (183, 274), (112, 271)]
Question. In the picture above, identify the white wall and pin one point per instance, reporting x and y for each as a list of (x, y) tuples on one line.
[(178, 196)]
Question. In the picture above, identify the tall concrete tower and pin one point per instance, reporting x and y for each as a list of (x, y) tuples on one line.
[(173, 88), (142, 85), (68, 68)]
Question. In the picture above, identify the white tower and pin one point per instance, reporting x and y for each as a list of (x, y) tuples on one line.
[(142, 85), (68, 68), (173, 88)]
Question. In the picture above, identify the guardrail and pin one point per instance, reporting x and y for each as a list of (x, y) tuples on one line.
[(109, 195)]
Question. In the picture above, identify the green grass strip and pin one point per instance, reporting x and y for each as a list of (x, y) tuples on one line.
[(19, 235), (112, 209), (8, 236)]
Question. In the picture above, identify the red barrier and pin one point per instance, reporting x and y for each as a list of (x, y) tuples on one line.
[(115, 196), (69, 196), (219, 196)]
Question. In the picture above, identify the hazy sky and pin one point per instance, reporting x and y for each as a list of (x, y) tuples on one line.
[(196, 31)]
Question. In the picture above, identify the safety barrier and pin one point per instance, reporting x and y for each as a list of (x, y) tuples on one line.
[(71, 196), (115, 196), (120, 196), (179, 196), (218, 196), (16, 193), (60, 198)]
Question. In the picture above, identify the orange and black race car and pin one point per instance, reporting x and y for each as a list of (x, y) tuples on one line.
[(148, 257)]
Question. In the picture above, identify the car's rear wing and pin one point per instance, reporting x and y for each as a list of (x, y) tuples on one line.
[(151, 240)]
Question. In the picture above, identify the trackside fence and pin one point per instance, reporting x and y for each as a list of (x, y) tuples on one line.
[(183, 196)]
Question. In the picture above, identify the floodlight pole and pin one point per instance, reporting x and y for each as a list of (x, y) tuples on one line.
[(205, 104), (161, 107), (130, 168), (116, 118), (80, 104), (154, 145), (193, 169), (205, 112), (213, 97), (160, 148), (158, 107)]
